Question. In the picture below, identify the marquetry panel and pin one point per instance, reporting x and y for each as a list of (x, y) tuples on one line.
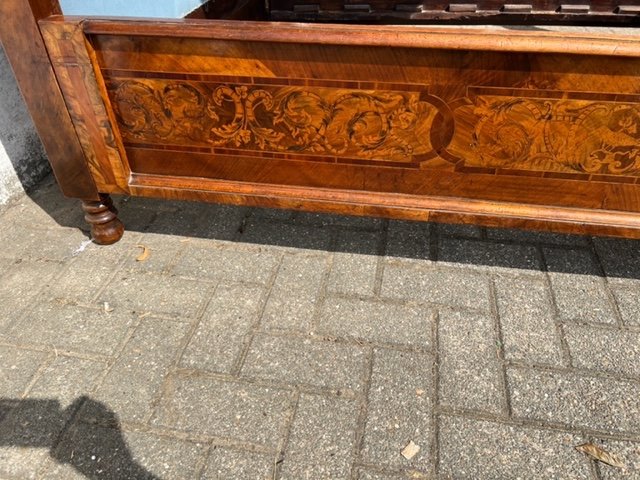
[(549, 131), (329, 120)]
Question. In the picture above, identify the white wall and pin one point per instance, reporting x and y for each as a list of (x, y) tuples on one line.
[(22, 159), (131, 8)]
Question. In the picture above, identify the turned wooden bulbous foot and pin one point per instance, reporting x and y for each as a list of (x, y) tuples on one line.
[(106, 228)]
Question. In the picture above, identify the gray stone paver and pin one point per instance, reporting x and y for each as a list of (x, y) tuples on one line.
[(580, 293), (231, 410), (227, 464), (39, 420), (21, 282), (321, 444), (591, 348), (527, 321), (577, 400), (379, 322), (628, 302), (401, 397), (305, 361), (470, 372), (101, 455), (252, 342), (448, 287), (17, 368), (133, 380), (219, 338), (295, 292), (354, 273), (472, 448), (73, 328), (628, 452)]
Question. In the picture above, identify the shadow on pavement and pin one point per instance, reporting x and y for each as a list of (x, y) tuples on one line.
[(92, 449), (463, 245)]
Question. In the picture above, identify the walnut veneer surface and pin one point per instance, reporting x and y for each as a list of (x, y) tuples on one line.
[(526, 126)]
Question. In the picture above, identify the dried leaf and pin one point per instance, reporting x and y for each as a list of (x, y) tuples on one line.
[(144, 255), (600, 455), (107, 308), (410, 450)]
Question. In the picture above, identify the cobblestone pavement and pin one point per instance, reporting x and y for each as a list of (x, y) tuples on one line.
[(262, 344)]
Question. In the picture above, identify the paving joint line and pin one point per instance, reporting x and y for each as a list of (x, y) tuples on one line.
[(247, 342), (361, 421), (565, 351)]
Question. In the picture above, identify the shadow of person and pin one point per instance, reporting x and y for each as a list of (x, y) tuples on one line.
[(95, 448)]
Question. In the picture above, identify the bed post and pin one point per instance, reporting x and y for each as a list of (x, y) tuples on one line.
[(25, 49)]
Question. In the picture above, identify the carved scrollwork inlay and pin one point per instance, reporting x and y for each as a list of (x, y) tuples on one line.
[(391, 126), (551, 135)]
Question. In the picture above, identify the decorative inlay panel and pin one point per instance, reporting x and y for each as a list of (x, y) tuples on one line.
[(372, 125), (549, 134)]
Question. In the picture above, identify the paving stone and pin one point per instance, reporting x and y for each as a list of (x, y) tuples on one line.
[(259, 214), (34, 426), (190, 219), (527, 321), (74, 328), (305, 361), (502, 257), (288, 235), (371, 475), (322, 439), (93, 451), (480, 449), (629, 454), (17, 368), (579, 293), (592, 348), (66, 378), (133, 381), (628, 302), (225, 464), (161, 294), (376, 321), (84, 277), (576, 400), (20, 286), (161, 249), (355, 262), (401, 397), (219, 338), (619, 259), (232, 265), (330, 220), (448, 287), (294, 294), (56, 244), (137, 213), (220, 222), (240, 411), (44, 209), (470, 372), (459, 230), (408, 240), (527, 236)]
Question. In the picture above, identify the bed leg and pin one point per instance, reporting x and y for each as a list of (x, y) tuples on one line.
[(106, 228)]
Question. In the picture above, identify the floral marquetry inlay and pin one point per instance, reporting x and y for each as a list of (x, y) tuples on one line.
[(385, 125), (551, 135)]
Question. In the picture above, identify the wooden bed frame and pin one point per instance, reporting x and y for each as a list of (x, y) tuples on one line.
[(487, 125)]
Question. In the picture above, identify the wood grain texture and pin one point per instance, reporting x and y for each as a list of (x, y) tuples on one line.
[(491, 128), (27, 54), (80, 84)]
